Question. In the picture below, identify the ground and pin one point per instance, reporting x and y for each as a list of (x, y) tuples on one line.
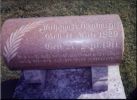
[(37, 8)]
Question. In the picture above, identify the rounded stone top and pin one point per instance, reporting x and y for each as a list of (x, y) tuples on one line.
[(62, 42)]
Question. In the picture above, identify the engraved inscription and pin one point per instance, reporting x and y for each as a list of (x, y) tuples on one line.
[(64, 41), (86, 42)]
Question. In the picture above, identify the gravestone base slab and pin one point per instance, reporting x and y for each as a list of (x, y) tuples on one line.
[(73, 84)]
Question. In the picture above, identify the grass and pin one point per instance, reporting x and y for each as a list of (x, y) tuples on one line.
[(125, 8)]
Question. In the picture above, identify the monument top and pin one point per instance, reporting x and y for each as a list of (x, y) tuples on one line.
[(58, 42)]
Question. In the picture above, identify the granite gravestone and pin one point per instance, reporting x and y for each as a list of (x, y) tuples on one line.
[(63, 42)]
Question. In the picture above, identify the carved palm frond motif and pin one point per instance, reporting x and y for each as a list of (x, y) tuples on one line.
[(14, 41)]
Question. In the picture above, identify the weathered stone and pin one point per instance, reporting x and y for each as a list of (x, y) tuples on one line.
[(99, 78), (115, 87), (35, 77), (72, 84)]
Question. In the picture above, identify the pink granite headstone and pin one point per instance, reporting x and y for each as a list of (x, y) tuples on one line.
[(62, 42)]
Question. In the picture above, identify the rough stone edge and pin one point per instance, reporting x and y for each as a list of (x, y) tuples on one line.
[(115, 86), (99, 78)]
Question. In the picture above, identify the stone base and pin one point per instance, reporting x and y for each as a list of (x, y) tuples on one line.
[(115, 87), (72, 84)]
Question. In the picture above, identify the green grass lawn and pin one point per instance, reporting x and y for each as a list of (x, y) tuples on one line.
[(125, 8)]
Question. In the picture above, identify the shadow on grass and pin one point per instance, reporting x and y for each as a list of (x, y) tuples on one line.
[(7, 88)]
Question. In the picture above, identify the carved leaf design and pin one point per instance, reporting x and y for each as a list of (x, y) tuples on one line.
[(13, 42)]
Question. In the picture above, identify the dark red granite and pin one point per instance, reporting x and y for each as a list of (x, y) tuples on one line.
[(62, 42)]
